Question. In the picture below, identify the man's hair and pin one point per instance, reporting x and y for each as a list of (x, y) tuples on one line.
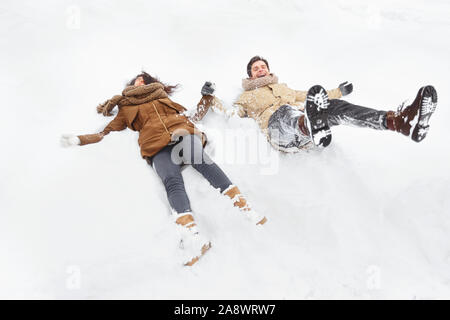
[(252, 61)]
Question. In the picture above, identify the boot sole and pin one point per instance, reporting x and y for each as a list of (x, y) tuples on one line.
[(427, 107), (316, 112)]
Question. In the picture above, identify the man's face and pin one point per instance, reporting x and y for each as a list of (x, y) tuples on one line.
[(259, 69)]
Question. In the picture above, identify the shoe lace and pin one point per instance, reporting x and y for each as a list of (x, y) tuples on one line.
[(401, 107)]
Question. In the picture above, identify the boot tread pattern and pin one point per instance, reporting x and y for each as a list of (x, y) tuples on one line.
[(427, 107), (317, 116)]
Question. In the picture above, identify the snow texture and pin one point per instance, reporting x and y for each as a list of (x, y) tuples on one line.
[(365, 218)]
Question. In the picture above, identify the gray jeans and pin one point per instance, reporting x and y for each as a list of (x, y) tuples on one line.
[(284, 132), (168, 163)]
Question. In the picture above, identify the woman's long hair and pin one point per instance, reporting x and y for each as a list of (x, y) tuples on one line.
[(169, 89)]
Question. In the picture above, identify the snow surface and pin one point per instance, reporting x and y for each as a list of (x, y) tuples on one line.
[(366, 218)]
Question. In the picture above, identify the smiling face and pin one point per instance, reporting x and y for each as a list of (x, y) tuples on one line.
[(259, 69)]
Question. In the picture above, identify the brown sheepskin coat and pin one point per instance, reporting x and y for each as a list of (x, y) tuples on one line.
[(148, 110)]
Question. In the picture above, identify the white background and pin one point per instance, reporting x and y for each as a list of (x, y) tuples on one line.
[(366, 218)]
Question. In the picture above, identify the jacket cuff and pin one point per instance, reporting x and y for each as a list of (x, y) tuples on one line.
[(90, 138)]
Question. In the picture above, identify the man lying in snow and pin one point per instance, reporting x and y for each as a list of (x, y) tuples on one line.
[(291, 124)]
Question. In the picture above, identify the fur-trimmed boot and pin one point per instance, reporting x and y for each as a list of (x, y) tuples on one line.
[(193, 244), (239, 201), (415, 116)]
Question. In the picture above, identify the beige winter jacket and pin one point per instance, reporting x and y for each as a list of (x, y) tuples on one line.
[(263, 96)]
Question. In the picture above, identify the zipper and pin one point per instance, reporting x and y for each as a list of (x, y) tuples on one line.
[(161, 119)]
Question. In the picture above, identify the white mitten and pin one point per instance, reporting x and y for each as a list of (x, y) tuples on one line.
[(68, 140)]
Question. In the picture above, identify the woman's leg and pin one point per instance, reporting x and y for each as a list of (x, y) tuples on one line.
[(170, 174), (193, 243), (192, 153)]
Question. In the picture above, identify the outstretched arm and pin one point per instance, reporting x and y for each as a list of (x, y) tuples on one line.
[(207, 101), (239, 109), (344, 89), (334, 93), (240, 105), (202, 107), (300, 96), (117, 124)]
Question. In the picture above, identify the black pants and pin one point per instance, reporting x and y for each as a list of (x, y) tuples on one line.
[(284, 132), (168, 163), (343, 112)]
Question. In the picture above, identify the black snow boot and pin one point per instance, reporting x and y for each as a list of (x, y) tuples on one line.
[(316, 111)]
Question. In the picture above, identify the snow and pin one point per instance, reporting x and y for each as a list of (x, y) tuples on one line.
[(365, 218)]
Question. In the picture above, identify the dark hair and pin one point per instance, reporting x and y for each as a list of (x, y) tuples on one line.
[(252, 61), (169, 89)]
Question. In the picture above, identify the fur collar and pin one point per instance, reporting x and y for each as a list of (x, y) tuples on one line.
[(252, 84)]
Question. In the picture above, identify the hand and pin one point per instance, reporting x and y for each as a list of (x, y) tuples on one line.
[(346, 88), (208, 89), (105, 108), (68, 140)]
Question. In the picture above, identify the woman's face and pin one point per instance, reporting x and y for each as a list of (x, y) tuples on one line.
[(139, 81)]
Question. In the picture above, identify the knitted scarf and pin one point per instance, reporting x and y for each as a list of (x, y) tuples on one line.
[(252, 84), (133, 95)]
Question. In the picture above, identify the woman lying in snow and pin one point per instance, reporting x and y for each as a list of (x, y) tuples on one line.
[(168, 139)]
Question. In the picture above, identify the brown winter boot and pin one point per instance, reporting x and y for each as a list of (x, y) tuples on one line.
[(302, 126), (194, 244), (239, 201), (417, 114)]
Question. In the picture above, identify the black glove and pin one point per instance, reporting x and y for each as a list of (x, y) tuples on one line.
[(346, 88), (208, 89)]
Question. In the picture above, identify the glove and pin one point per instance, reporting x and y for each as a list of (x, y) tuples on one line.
[(68, 140), (208, 89), (346, 88)]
